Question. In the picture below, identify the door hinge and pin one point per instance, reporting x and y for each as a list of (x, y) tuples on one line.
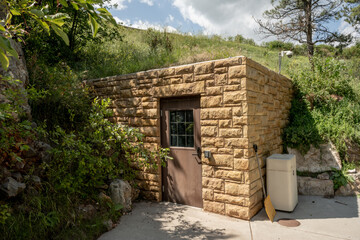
[(163, 188)]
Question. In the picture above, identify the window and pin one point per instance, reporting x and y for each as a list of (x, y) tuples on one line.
[(181, 128)]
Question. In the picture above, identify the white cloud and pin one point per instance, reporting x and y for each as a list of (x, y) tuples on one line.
[(346, 28), (225, 17), (148, 2), (145, 25)]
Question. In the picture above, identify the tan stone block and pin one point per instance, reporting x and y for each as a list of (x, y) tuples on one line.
[(204, 77), (225, 123), (147, 99), (176, 80), (188, 78), (210, 83), (149, 105), (227, 174), (237, 142), (238, 200), (213, 101), (231, 88), (235, 81), (237, 211), (253, 175), (240, 121), (149, 131), (229, 62), (184, 69), (125, 84), (234, 97), (237, 111), (255, 198), (207, 194), (230, 132), (166, 72), (209, 122), (214, 207), (225, 151), (207, 171), (255, 209), (212, 142), (221, 160), (215, 113), (203, 68), (152, 139), (149, 122), (221, 79), (135, 121), (238, 153), (124, 93), (213, 183), (214, 90), (237, 71), (241, 164), (148, 176), (150, 113), (220, 70), (237, 189), (209, 131), (179, 89), (255, 186)]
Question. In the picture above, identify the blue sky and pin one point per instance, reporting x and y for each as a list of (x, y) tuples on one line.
[(222, 17)]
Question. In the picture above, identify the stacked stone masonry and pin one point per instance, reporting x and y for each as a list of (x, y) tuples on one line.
[(242, 103)]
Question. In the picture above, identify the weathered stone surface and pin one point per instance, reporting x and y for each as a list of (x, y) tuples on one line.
[(353, 152), (239, 105), (213, 183), (209, 131), (317, 159), (87, 211), (120, 193), (10, 187), (215, 207), (316, 187), (350, 189), (237, 211), (323, 176)]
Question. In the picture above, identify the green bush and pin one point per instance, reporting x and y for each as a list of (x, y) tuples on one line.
[(279, 45), (325, 107), (98, 153)]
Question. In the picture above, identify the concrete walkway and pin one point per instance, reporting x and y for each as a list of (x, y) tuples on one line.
[(320, 218)]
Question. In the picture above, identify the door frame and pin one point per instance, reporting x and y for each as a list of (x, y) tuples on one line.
[(197, 133)]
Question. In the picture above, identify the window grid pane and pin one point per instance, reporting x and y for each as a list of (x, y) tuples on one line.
[(181, 128)]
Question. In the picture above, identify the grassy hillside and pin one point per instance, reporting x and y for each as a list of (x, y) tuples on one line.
[(142, 50)]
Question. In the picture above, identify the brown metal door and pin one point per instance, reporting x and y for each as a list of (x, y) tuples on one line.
[(180, 131)]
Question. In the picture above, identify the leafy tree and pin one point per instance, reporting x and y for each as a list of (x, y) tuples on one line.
[(351, 12), (20, 17), (304, 21)]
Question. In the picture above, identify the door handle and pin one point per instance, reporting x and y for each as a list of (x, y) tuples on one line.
[(198, 154)]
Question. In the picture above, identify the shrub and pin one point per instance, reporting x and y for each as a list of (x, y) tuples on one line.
[(325, 107), (99, 152), (279, 45)]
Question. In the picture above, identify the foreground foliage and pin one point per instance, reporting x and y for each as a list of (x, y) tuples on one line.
[(325, 107)]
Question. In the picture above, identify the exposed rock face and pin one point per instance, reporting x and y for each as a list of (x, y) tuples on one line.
[(353, 152), (10, 187), (315, 187), (323, 176), (18, 71), (317, 159), (120, 193)]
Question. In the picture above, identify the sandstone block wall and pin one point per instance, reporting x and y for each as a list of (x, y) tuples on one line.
[(242, 103)]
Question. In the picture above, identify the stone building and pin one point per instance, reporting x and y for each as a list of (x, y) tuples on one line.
[(209, 114)]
